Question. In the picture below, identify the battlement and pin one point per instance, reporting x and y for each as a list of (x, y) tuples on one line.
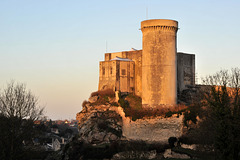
[(159, 24)]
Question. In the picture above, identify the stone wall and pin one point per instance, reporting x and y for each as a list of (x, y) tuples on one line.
[(117, 75), (136, 56), (155, 129), (107, 75), (185, 70)]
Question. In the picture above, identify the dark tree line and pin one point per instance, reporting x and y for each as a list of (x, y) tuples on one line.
[(218, 106)]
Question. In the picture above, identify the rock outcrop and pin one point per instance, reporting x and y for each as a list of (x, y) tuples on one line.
[(105, 131), (135, 155), (99, 124), (103, 123), (171, 154)]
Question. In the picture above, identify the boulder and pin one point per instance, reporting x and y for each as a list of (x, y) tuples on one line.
[(135, 155), (170, 154), (189, 146)]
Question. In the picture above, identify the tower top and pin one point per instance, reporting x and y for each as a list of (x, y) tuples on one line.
[(159, 23)]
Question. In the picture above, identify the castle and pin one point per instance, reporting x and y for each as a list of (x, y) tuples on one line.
[(156, 73)]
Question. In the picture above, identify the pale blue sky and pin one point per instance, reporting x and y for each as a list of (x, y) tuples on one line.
[(54, 46)]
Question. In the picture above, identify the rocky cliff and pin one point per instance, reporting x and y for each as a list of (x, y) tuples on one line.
[(107, 131), (99, 124), (106, 123)]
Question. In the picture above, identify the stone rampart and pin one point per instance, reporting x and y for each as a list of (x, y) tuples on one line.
[(156, 129)]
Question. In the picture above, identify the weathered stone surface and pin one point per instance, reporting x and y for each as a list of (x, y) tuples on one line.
[(159, 62), (153, 73), (135, 155), (99, 124), (105, 123), (185, 70), (157, 129), (170, 154)]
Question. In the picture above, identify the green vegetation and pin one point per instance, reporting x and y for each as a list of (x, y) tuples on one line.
[(132, 106), (190, 115), (102, 93), (218, 106), (104, 97), (176, 111)]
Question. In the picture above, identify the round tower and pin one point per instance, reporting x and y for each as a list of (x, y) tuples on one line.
[(159, 77)]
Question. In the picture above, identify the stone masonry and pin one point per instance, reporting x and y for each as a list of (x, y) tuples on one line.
[(154, 73)]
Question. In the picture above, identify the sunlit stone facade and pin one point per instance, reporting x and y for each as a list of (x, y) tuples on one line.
[(154, 73)]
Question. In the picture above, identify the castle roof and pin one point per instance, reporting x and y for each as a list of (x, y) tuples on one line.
[(120, 59)]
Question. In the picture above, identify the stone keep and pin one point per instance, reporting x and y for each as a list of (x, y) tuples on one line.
[(159, 76), (156, 73)]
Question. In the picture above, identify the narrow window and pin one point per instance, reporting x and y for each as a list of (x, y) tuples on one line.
[(111, 70), (103, 71)]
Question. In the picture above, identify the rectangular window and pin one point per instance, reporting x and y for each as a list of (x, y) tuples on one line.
[(123, 72)]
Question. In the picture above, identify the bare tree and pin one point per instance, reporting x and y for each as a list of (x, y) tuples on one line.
[(18, 110), (17, 101)]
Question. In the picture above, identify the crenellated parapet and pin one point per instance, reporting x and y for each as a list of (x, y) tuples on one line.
[(159, 24), (159, 27)]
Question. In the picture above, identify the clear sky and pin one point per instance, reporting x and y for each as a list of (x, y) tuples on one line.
[(54, 46)]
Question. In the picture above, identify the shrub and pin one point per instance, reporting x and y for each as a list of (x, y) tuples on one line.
[(106, 98), (121, 102), (84, 103), (134, 101), (190, 115), (103, 96), (132, 106), (94, 94), (101, 100), (169, 114), (106, 92)]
